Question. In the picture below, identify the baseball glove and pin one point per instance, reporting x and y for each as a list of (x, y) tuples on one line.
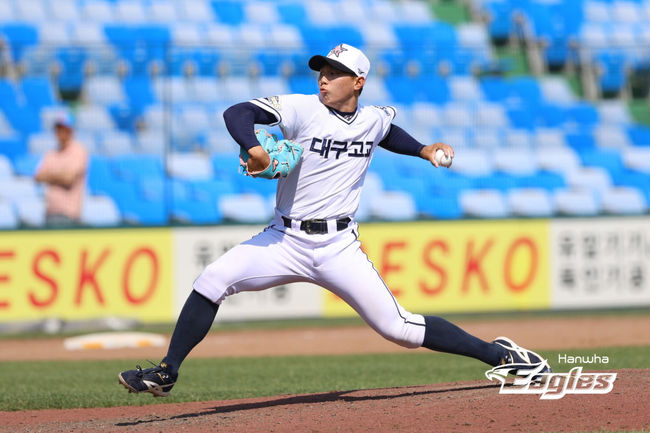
[(284, 155)]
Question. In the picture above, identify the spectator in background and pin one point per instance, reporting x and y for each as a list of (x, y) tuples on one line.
[(64, 172)]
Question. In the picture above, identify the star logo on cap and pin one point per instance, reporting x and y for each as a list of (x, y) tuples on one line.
[(338, 50)]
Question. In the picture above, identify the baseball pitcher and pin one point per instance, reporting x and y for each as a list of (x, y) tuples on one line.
[(320, 168)]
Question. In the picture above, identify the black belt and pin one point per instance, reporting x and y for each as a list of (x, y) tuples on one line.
[(318, 227)]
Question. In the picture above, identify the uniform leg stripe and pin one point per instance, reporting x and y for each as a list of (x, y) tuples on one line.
[(391, 295)]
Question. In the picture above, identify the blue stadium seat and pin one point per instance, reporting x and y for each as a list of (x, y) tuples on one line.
[(31, 211), (207, 60), (124, 117), (100, 211), (637, 158), (254, 186), (8, 217), (38, 92), (555, 24), (20, 37), (137, 59), (229, 12), (321, 39), (494, 88), (72, 60), (634, 179), (500, 22), (119, 35), (8, 93), (414, 38), (434, 88), (210, 190), (497, 181), (163, 189), (440, 206), (132, 208), (179, 59), (624, 201), (195, 212), (139, 92), (403, 90), (521, 118), (639, 135), (613, 64), (273, 62), (609, 159), (149, 213), (542, 179), (483, 203), (464, 61), (393, 206), (450, 183), (580, 141), (37, 61), (23, 117), (576, 202), (99, 173), (525, 90), (26, 164), (131, 168), (549, 115), (303, 84), (292, 12), (396, 61), (6, 169), (584, 114), (13, 147), (156, 37), (415, 186), (530, 202)]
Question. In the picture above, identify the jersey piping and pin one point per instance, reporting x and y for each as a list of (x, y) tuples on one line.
[(266, 107)]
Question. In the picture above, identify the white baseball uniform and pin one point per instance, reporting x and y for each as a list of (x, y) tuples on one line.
[(326, 184)]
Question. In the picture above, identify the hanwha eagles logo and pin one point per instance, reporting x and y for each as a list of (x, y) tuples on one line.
[(338, 50)]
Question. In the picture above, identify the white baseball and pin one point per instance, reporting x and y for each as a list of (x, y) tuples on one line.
[(441, 158)]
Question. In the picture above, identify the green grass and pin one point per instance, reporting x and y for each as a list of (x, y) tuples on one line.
[(640, 111), (450, 11), (40, 385)]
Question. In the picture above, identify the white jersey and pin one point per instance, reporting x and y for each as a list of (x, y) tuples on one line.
[(326, 183)]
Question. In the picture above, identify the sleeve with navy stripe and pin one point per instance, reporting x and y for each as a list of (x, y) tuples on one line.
[(399, 141), (270, 104), (240, 120)]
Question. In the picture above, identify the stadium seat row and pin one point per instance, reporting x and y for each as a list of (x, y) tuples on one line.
[(102, 210), (614, 35)]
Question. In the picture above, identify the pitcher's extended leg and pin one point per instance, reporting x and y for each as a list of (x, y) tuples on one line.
[(192, 326), (352, 276)]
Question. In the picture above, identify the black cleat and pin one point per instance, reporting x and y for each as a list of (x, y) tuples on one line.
[(522, 358), (155, 380)]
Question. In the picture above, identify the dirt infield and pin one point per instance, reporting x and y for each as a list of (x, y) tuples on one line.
[(537, 333), (451, 407)]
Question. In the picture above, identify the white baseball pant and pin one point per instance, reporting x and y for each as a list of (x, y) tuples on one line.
[(335, 261)]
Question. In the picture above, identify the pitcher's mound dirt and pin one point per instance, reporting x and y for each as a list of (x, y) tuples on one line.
[(450, 407)]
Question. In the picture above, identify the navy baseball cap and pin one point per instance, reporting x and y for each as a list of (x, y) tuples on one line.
[(345, 58)]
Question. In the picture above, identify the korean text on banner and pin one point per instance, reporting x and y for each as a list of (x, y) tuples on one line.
[(601, 262)]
